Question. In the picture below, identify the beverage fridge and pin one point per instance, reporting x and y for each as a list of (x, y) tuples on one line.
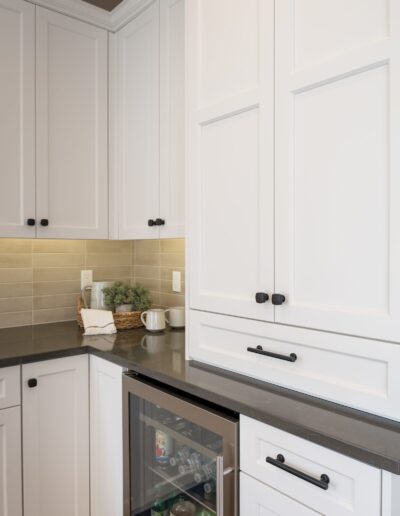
[(180, 454)]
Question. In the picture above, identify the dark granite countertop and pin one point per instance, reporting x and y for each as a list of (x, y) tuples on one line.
[(365, 437)]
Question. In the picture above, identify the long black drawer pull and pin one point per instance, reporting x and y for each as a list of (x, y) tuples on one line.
[(279, 462), (289, 358)]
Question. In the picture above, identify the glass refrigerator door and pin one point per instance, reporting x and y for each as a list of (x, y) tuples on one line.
[(177, 453)]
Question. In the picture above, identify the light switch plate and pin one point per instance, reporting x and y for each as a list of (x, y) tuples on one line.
[(86, 278), (176, 281)]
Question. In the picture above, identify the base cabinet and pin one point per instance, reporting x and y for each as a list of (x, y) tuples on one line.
[(56, 437), (257, 498), (106, 475), (10, 462)]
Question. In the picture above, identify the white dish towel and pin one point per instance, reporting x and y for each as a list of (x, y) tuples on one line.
[(98, 322)]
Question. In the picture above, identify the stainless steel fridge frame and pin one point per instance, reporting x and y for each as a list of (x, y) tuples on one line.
[(227, 470)]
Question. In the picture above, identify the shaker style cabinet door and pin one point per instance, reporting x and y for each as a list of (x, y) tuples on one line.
[(261, 500), (230, 149), (172, 118), (106, 475), (55, 409), (17, 118), (72, 103), (137, 126), (10, 462), (337, 166)]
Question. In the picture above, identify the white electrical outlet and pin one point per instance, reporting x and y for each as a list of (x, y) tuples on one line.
[(86, 278), (176, 281)]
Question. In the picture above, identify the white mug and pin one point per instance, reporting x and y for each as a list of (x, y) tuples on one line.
[(176, 318), (96, 294), (154, 319)]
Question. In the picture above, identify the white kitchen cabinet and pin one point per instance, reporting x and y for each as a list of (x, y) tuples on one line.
[(137, 125), (230, 155), (337, 182), (261, 500), (172, 118), (326, 481), (17, 120), (148, 107), (71, 127), (55, 397), (344, 369), (106, 469), (10, 462)]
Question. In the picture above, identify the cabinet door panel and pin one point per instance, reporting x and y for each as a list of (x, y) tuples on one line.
[(10, 462), (337, 216), (137, 124), (106, 481), (56, 437), (172, 107), (17, 120), (72, 169), (261, 500), (230, 155)]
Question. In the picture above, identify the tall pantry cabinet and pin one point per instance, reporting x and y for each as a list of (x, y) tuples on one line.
[(293, 179)]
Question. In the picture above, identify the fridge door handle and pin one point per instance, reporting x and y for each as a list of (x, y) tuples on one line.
[(221, 474)]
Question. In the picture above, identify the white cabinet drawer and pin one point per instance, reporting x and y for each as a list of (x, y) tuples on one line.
[(10, 386), (352, 488), (258, 499), (354, 372)]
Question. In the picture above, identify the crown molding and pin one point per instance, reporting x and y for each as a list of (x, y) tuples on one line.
[(112, 21), (126, 11)]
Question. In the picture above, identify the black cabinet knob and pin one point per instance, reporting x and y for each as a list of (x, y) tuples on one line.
[(262, 297), (31, 222), (278, 299), (44, 222), (160, 222), (151, 222), (32, 382)]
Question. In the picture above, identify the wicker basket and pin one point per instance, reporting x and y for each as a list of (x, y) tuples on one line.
[(122, 320)]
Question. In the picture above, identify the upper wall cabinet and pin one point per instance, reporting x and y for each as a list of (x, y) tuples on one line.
[(337, 166), (230, 155), (72, 133), (17, 119), (149, 105)]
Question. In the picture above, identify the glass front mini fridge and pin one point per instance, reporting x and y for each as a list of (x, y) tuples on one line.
[(180, 454)]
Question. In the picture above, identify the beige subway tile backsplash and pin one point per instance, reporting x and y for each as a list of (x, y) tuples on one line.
[(40, 279)]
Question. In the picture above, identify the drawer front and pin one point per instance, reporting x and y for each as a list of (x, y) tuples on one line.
[(10, 386), (359, 373), (258, 499), (342, 487)]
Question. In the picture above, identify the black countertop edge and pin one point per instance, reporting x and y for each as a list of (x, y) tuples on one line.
[(353, 451)]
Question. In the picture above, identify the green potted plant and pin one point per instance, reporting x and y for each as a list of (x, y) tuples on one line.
[(121, 297)]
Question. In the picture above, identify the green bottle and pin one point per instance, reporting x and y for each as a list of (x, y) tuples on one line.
[(160, 508)]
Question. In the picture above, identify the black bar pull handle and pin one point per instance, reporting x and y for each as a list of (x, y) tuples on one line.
[(259, 350), (279, 462)]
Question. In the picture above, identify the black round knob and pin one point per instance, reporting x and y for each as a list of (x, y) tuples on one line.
[(160, 222), (31, 222), (262, 297), (44, 222), (280, 458), (32, 382), (278, 299), (151, 222)]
